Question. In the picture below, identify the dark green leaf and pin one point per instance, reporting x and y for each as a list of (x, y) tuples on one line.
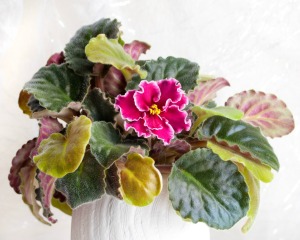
[(183, 70), (74, 51), (106, 144), (86, 184), (99, 107), (247, 138), (56, 86), (204, 188)]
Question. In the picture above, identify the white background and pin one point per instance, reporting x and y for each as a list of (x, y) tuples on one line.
[(254, 44)]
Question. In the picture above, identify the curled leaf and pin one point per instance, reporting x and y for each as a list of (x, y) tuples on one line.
[(140, 181), (265, 111), (27, 188), (108, 51), (254, 195), (59, 154), (56, 58), (24, 97), (136, 48), (48, 126), (45, 193), (22, 159), (206, 91)]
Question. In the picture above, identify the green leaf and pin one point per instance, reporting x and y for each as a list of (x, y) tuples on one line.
[(108, 51), (205, 113), (74, 51), (59, 154), (254, 194), (106, 144), (204, 188), (260, 171), (183, 70), (56, 86), (140, 181), (99, 107), (86, 184), (241, 138), (23, 102)]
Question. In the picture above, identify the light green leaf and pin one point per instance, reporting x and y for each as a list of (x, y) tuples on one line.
[(74, 50), (260, 171), (56, 86), (59, 154), (183, 70), (205, 113), (108, 51), (84, 185), (204, 188), (254, 194), (240, 138), (106, 144), (140, 181)]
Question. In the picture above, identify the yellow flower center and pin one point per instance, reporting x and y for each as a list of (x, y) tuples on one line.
[(154, 110)]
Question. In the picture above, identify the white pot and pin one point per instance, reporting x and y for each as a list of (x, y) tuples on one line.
[(112, 219)]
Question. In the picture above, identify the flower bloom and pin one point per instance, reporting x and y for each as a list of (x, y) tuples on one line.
[(155, 109)]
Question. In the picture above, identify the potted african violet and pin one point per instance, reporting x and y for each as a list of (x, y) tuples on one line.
[(138, 149)]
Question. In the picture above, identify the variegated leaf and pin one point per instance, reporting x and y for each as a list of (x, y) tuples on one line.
[(265, 111), (206, 91)]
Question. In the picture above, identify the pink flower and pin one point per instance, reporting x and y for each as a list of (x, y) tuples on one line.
[(155, 109)]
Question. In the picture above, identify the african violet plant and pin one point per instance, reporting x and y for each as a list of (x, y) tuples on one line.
[(111, 124)]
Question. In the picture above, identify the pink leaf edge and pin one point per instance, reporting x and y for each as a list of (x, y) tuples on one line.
[(206, 91), (265, 111)]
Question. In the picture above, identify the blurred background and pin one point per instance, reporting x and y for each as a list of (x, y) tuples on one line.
[(252, 43)]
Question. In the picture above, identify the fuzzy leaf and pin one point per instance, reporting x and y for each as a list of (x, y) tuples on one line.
[(45, 193), (62, 206), (23, 102), (205, 113), (84, 185), (265, 111), (204, 188), (99, 107), (136, 48), (254, 194), (140, 181), (243, 136), (112, 181), (59, 154), (48, 126), (74, 51), (56, 86), (183, 70), (108, 51), (106, 143), (206, 91), (28, 186), (21, 160)]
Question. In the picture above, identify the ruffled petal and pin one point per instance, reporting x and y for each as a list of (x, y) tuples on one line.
[(127, 106), (153, 121), (176, 118), (171, 90), (147, 96), (166, 133), (139, 127), (181, 103)]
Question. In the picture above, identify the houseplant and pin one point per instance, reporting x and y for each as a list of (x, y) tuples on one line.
[(112, 124)]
